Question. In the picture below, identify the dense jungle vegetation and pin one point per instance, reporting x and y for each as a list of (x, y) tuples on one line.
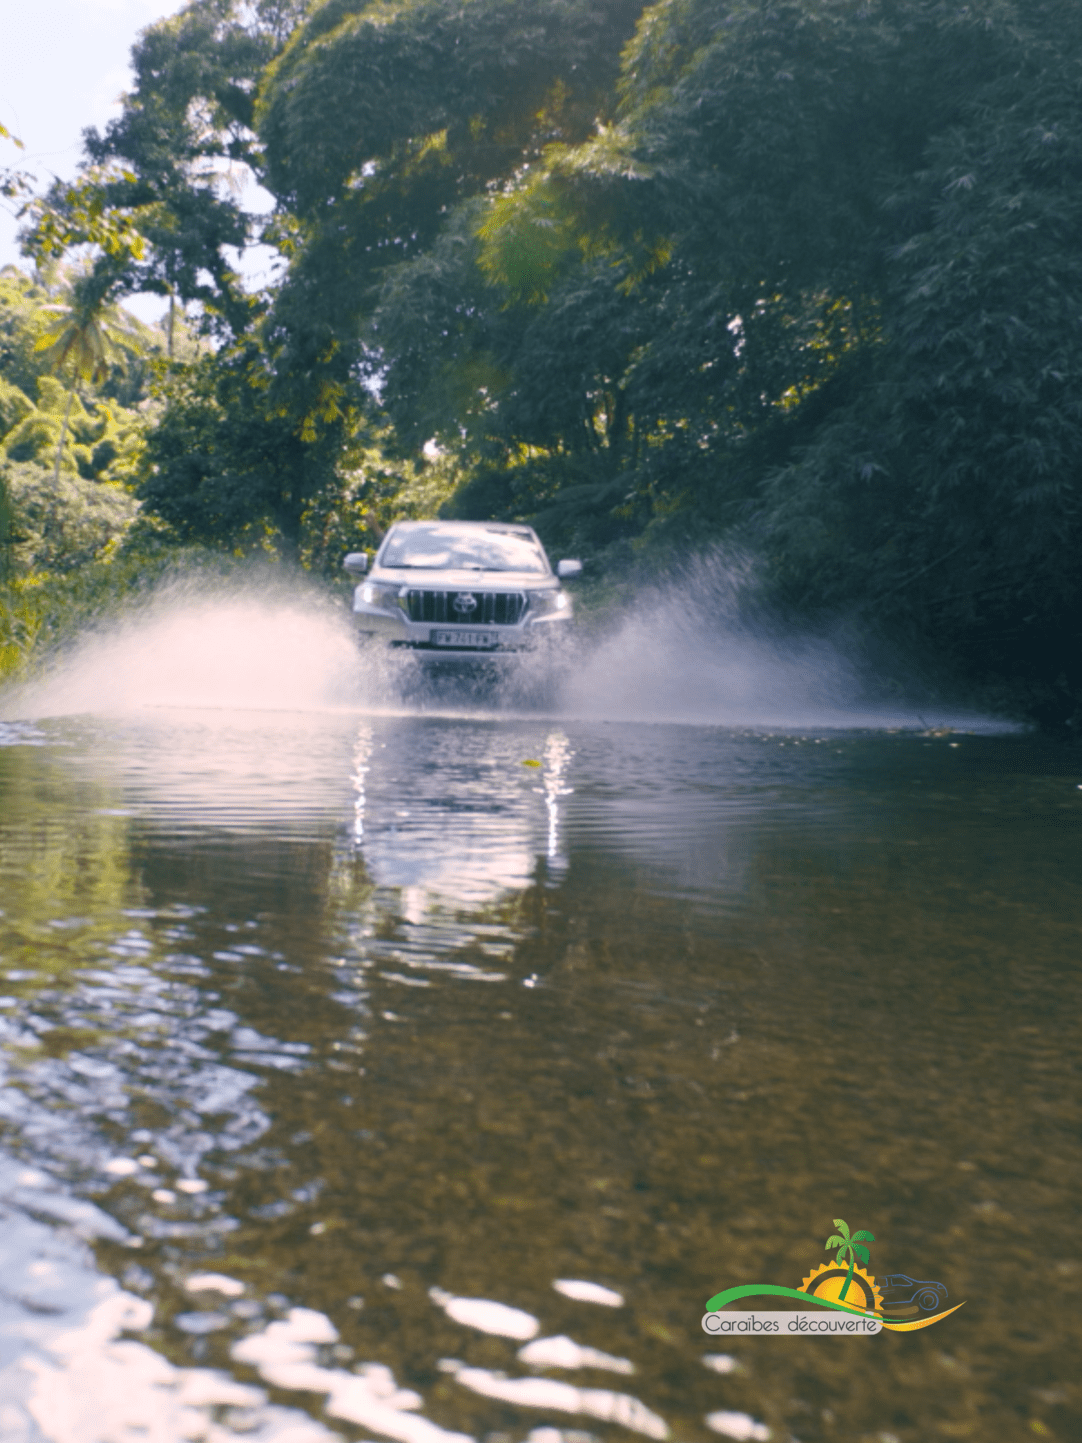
[(799, 272)]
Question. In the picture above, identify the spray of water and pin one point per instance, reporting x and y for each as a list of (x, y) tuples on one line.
[(194, 646), (694, 650), (700, 648)]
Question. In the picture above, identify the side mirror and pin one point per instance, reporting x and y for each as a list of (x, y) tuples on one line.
[(568, 568), (356, 563)]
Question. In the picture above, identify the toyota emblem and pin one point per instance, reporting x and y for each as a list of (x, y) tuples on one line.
[(465, 602)]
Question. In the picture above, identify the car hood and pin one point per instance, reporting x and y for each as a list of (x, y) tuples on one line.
[(446, 580)]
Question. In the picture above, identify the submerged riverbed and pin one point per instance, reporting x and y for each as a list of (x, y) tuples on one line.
[(420, 1076)]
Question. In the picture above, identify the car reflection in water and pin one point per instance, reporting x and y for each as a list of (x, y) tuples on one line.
[(487, 843)]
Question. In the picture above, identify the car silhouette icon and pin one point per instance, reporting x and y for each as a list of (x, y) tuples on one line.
[(898, 1290)]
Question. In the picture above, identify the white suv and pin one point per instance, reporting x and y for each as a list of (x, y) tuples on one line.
[(451, 590)]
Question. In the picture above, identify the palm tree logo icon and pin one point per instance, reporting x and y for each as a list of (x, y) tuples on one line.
[(854, 1246), (831, 1280)]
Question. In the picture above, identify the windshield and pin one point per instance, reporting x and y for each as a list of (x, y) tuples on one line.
[(446, 548)]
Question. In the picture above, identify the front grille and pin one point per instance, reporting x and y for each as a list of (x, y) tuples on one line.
[(493, 608)]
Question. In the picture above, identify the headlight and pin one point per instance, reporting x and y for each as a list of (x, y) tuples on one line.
[(374, 594), (548, 603)]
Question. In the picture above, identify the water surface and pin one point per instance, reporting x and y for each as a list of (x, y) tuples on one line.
[(383, 1033)]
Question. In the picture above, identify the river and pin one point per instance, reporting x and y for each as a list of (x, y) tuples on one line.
[(418, 1072)]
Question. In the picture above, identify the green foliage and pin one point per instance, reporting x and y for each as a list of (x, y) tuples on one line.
[(23, 321), (226, 464), (8, 531), (185, 148), (60, 526), (80, 215), (67, 460), (378, 122), (13, 183), (940, 492), (15, 406), (37, 436), (371, 491), (228, 467), (816, 275), (85, 339), (28, 311), (342, 110), (594, 326), (103, 443)]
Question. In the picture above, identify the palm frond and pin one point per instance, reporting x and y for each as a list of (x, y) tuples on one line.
[(834, 1242), (89, 342), (51, 336)]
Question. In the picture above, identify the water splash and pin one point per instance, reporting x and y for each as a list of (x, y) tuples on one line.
[(702, 650), (242, 650), (694, 651)]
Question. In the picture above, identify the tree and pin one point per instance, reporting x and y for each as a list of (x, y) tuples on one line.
[(226, 466), (621, 327), (842, 232), (853, 1247), (80, 214), (183, 147), (32, 402), (68, 467), (257, 438), (377, 124), (87, 336)]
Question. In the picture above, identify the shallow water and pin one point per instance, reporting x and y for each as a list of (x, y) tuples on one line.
[(390, 1033)]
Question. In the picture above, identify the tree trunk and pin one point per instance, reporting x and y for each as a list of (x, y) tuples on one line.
[(289, 528), (55, 518), (60, 447), (7, 530)]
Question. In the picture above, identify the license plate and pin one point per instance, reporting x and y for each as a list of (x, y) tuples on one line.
[(464, 638)]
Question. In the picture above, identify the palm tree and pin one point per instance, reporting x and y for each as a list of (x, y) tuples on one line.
[(851, 1245), (87, 336)]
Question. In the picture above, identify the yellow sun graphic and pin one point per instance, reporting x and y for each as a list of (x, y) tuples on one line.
[(828, 1279)]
